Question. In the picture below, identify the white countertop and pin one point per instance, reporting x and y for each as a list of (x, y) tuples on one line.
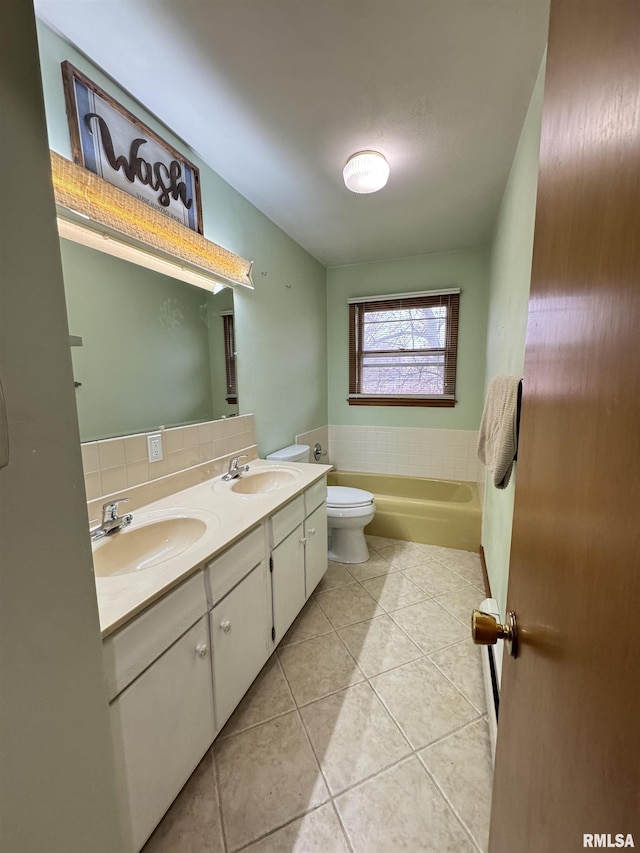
[(230, 515)]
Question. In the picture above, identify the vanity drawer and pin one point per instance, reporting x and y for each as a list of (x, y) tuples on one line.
[(132, 649), (287, 519), (315, 496), (227, 570)]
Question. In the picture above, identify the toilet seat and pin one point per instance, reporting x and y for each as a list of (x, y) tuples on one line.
[(345, 497)]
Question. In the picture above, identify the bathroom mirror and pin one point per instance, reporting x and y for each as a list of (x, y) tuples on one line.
[(154, 351)]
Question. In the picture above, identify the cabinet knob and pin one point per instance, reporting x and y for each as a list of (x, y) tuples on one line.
[(226, 626), (312, 530), (303, 541), (201, 650)]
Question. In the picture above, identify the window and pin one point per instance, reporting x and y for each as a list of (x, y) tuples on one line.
[(402, 349), (230, 359)]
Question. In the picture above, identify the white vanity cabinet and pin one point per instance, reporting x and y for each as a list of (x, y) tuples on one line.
[(162, 714), (299, 554), (287, 566), (315, 534), (240, 618), (176, 672)]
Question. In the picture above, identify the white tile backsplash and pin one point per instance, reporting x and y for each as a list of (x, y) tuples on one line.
[(439, 453), (115, 464)]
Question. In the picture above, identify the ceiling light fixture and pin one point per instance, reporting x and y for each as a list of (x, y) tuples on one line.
[(366, 172)]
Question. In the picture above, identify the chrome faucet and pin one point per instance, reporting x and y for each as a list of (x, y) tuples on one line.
[(111, 521), (234, 471)]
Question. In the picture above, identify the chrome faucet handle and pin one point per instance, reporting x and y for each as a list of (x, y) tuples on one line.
[(233, 465), (110, 509), (234, 471)]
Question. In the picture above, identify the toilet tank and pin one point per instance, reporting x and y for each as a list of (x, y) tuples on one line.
[(293, 453)]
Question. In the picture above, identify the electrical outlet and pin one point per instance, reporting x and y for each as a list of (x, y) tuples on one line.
[(154, 446)]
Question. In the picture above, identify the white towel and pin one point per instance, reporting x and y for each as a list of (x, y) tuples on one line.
[(498, 438)]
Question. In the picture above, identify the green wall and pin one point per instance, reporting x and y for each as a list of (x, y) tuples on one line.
[(281, 326), (57, 779), (508, 303), (467, 269)]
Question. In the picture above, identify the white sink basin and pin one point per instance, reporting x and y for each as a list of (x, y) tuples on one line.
[(261, 482), (149, 541)]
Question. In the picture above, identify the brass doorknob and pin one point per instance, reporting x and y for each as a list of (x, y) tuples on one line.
[(486, 631)]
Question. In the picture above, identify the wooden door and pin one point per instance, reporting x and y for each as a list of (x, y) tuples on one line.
[(568, 752)]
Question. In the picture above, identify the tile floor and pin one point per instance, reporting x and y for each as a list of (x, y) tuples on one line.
[(366, 729)]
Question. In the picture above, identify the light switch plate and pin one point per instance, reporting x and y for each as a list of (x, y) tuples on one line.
[(154, 446)]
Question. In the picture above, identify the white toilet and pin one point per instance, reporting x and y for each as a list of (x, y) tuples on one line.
[(348, 512)]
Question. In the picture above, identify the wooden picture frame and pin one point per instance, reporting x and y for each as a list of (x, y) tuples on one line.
[(108, 140)]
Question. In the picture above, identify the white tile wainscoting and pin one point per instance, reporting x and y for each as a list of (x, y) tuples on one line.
[(448, 454)]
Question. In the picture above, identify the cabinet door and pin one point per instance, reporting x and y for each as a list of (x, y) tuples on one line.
[(316, 560), (288, 581), (162, 725), (240, 627)]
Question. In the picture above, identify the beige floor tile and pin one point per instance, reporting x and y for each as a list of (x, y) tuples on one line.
[(378, 542), (268, 776), (423, 703), (347, 605), (375, 566), (316, 832), (465, 563), (192, 824), (401, 810), (431, 550), (462, 665), (394, 590), (461, 602), (336, 575), (268, 697), (461, 765), (436, 551), (429, 625), (318, 667), (353, 736), (310, 622), (403, 555), (434, 578), (379, 645)]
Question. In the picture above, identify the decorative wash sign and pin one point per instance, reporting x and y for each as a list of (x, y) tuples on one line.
[(111, 142)]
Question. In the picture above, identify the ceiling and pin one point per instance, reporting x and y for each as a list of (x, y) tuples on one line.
[(275, 95)]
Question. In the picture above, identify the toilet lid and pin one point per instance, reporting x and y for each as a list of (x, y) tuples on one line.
[(346, 496)]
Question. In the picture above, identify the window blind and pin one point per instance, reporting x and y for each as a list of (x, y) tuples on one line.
[(403, 349)]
